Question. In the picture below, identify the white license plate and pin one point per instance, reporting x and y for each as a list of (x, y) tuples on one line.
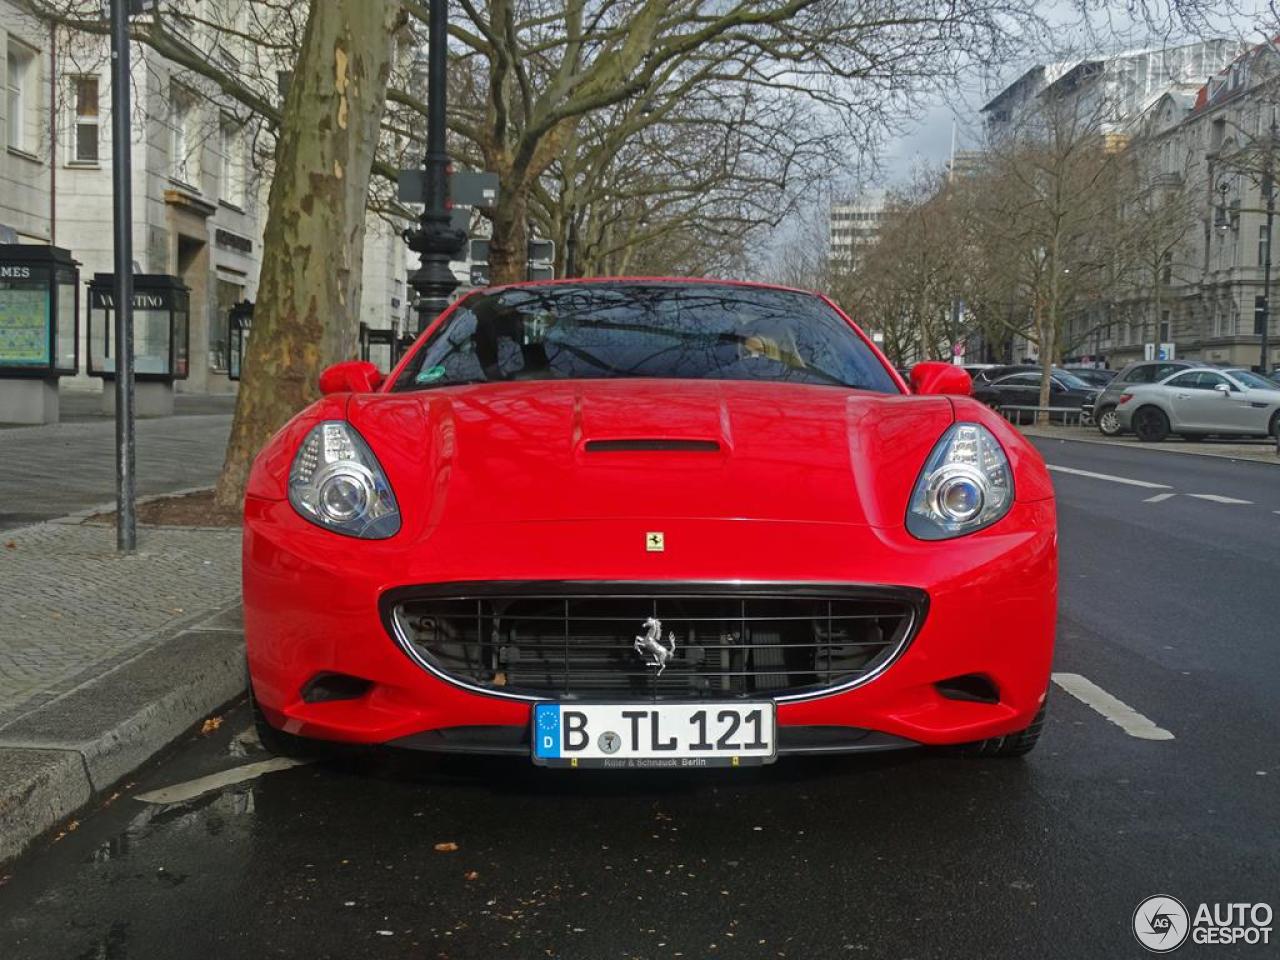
[(654, 734)]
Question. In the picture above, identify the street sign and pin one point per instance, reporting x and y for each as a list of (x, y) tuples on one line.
[(479, 274), (1166, 352), (132, 7), (541, 272), (474, 189), (460, 218), (479, 251), (465, 189), (542, 251)]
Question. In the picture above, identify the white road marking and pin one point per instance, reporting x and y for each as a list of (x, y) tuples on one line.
[(1217, 498), (1106, 476), (1121, 714), (1159, 498), (182, 792)]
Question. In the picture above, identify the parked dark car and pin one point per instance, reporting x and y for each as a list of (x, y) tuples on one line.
[(1066, 391), (1103, 410), (1094, 376), (992, 374)]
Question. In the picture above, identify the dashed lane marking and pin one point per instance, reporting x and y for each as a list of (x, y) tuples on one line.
[(1118, 712), (1217, 498), (182, 792), (1106, 476), (1159, 498)]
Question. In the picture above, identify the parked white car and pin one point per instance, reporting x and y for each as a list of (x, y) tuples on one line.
[(1200, 402)]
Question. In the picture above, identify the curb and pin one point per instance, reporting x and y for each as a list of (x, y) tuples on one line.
[(80, 516), (1269, 458), (59, 757)]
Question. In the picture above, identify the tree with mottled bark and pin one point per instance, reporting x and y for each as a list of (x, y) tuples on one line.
[(309, 285)]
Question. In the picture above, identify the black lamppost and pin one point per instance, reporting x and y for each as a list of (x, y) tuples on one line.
[(434, 239)]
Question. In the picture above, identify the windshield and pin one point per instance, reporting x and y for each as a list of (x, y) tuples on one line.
[(1250, 379), (1071, 381), (670, 330)]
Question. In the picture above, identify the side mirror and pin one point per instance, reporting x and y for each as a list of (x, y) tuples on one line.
[(350, 376), (934, 376), (1223, 389)]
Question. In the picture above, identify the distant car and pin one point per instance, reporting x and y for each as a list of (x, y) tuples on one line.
[(1201, 402), (1274, 375), (1094, 376), (1103, 409), (976, 370), (990, 374), (1023, 390)]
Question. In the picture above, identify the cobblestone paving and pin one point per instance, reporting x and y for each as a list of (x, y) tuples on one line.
[(70, 607)]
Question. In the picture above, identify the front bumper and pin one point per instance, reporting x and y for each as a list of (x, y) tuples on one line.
[(311, 601)]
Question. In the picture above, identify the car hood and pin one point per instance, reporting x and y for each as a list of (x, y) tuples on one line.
[(626, 448)]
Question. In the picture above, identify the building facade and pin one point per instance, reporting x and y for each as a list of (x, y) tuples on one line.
[(199, 187), (853, 227)]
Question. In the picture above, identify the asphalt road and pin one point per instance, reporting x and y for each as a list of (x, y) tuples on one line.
[(1169, 605), (53, 470)]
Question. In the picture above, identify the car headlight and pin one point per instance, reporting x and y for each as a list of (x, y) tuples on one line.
[(336, 482), (966, 484)]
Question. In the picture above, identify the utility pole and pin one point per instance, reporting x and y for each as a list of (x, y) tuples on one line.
[(435, 239), (122, 224)]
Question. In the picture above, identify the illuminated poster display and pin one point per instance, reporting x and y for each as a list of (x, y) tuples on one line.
[(24, 325)]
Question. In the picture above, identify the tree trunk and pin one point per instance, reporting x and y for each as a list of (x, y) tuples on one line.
[(309, 286), (509, 245)]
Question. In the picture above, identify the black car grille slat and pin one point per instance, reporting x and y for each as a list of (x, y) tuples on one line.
[(579, 645)]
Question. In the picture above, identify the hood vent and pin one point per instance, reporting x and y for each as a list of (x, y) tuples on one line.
[(644, 444)]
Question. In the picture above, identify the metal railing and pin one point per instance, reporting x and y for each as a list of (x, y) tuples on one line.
[(1023, 415)]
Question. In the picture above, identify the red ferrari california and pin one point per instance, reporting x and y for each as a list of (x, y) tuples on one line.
[(649, 523)]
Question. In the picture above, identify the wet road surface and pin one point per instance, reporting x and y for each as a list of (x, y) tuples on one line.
[(1169, 606)]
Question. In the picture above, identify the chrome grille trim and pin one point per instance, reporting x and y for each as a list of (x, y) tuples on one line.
[(914, 603)]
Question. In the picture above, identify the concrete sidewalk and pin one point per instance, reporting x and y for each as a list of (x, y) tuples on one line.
[(105, 659)]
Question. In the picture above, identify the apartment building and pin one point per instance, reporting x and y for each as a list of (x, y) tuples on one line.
[(853, 227), (200, 182)]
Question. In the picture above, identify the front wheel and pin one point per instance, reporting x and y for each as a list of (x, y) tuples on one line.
[(1012, 745), (1108, 422), (1150, 425), (1273, 429)]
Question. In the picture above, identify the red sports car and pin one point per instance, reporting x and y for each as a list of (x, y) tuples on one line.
[(644, 523)]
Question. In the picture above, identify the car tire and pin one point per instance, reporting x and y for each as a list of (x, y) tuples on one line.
[(277, 742), (1108, 422), (1150, 425), (1273, 429), (1017, 744)]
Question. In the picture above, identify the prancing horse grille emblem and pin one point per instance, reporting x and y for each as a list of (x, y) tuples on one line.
[(650, 645)]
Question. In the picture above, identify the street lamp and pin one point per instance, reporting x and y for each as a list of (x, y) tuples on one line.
[(435, 240)]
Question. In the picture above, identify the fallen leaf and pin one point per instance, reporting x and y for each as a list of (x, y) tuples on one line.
[(11, 545), (210, 725), (471, 875), (448, 847)]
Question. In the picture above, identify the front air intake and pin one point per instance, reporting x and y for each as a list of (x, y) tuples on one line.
[(589, 640)]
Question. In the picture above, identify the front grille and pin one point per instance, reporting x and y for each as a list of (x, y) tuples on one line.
[(729, 641)]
